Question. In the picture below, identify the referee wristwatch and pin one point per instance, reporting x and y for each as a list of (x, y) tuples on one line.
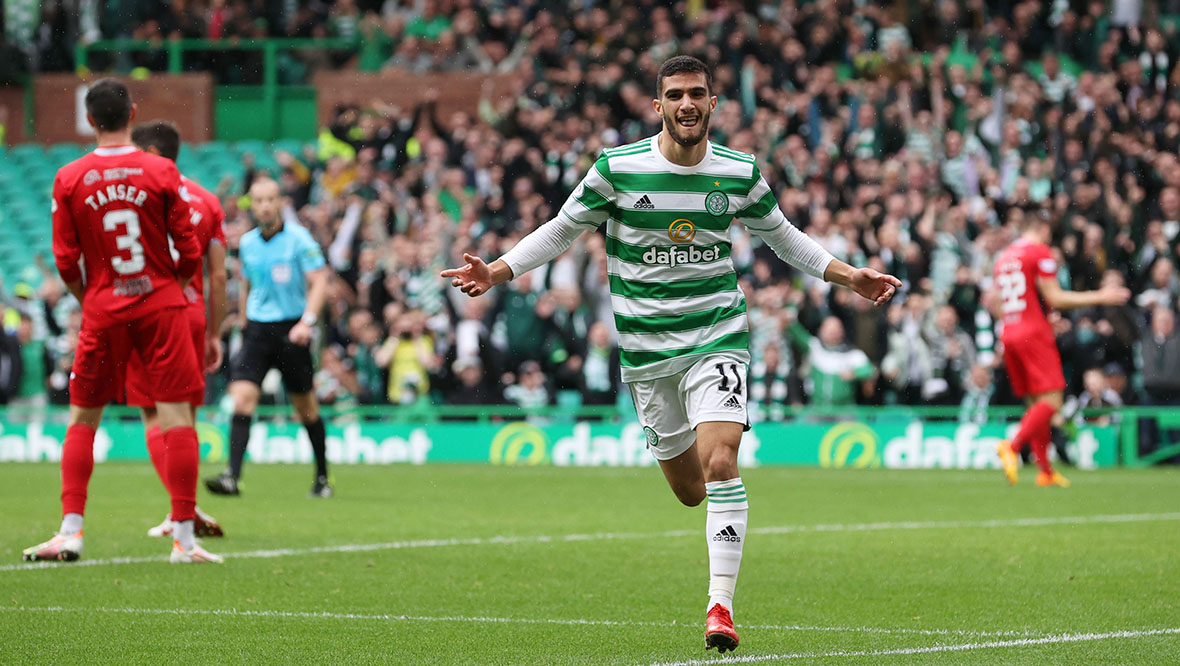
[(309, 319)]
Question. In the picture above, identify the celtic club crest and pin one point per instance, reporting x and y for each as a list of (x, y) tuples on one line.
[(717, 203)]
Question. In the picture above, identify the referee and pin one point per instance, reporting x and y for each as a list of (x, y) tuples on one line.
[(285, 280)]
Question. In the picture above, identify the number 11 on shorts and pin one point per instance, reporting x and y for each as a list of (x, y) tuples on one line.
[(722, 368)]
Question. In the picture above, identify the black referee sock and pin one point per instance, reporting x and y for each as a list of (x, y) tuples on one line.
[(239, 437), (315, 432)]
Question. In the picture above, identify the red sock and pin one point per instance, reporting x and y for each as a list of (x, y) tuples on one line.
[(77, 463), (156, 451), (181, 460), (1035, 420), (1040, 448)]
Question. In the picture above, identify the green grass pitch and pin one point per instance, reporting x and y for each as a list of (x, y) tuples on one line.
[(493, 565)]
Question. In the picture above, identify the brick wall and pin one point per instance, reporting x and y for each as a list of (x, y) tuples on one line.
[(457, 91), (185, 99)]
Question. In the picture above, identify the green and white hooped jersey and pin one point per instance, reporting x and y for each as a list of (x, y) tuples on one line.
[(673, 286)]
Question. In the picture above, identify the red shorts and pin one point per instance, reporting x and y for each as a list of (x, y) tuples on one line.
[(162, 339), (1034, 365), (138, 387)]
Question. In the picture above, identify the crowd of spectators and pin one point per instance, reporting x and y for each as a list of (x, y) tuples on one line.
[(911, 137)]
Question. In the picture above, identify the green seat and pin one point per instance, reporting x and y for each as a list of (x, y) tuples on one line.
[(219, 158), (239, 148), (212, 179), (39, 182), (29, 207), (190, 171), (37, 232), (208, 150), (293, 146), (24, 152), (266, 157), (39, 240), (66, 151), (222, 169)]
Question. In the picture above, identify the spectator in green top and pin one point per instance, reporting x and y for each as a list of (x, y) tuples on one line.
[(430, 24), (523, 321), (837, 369), (30, 392)]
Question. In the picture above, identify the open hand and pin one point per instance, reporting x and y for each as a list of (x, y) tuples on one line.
[(473, 279)]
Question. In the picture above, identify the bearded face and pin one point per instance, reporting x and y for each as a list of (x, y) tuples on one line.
[(685, 106)]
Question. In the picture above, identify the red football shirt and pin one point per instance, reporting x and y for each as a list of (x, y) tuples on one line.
[(1017, 270), (208, 222), (114, 211)]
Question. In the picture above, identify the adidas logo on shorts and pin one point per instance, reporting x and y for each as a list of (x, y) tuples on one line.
[(644, 203), (727, 534), (732, 403)]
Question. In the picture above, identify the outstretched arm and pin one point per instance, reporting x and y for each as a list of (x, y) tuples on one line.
[(800, 250), (587, 208), (766, 219), (545, 244), (1060, 299)]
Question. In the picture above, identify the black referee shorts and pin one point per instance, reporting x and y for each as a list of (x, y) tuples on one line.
[(264, 346)]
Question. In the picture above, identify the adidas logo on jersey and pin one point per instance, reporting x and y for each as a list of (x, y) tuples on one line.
[(732, 403), (727, 534), (644, 203)]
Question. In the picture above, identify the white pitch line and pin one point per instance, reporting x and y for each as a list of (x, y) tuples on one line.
[(960, 647), (480, 619), (366, 547), (620, 536), (886, 630), (959, 524)]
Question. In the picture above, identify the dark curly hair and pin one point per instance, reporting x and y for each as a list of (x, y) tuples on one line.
[(683, 64)]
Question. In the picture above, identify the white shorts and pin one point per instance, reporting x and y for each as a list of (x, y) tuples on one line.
[(670, 408)]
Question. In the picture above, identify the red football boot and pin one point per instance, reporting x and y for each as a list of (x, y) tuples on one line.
[(719, 631)]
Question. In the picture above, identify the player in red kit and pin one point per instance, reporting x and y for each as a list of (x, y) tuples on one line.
[(114, 212), (208, 224), (1025, 278)]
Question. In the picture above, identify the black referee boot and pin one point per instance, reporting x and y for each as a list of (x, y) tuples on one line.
[(222, 484), (321, 488)]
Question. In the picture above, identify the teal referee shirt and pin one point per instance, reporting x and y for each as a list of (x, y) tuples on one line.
[(277, 270)]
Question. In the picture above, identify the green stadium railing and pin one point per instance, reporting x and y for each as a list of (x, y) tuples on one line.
[(1127, 421), (30, 106), (1167, 422), (177, 48)]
